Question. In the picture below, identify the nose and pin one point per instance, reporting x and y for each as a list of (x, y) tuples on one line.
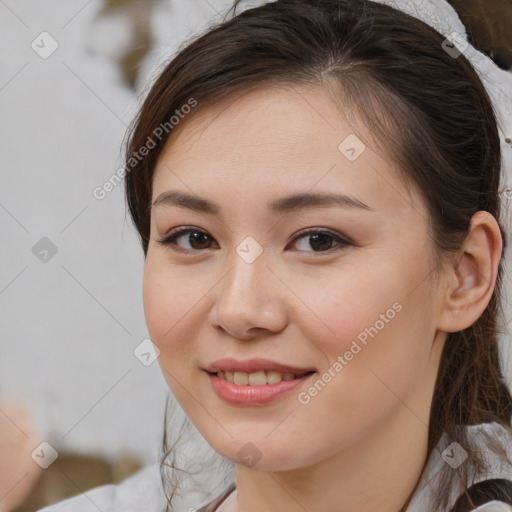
[(249, 300)]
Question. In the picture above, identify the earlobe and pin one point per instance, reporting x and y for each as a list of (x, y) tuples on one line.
[(472, 276)]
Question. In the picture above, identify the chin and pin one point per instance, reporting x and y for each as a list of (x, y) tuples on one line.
[(261, 455)]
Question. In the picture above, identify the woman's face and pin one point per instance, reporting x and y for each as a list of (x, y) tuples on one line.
[(345, 290)]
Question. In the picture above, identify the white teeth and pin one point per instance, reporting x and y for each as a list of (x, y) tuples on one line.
[(241, 378), (274, 377), (255, 379)]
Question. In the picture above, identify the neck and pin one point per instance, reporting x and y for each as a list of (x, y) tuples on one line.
[(389, 465), (379, 473)]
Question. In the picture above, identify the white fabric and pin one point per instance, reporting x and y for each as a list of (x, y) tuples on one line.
[(494, 506), (430, 480)]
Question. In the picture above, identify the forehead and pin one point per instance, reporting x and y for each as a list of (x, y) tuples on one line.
[(277, 140), (279, 117)]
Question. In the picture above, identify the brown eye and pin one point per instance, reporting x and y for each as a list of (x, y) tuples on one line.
[(318, 240), (321, 241), (197, 239)]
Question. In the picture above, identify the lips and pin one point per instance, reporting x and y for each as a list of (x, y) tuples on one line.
[(260, 394), (255, 365)]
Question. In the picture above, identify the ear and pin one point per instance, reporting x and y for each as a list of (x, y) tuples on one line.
[(471, 275)]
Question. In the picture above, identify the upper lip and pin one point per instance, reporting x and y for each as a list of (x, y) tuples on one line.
[(254, 365)]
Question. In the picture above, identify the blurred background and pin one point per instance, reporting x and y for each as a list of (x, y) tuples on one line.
[(77, 375)]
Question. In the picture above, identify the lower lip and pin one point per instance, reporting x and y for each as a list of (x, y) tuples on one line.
[(254, 395)]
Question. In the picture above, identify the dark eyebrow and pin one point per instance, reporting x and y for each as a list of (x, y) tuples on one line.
[(184, 200), (312, 200), (280, 206)]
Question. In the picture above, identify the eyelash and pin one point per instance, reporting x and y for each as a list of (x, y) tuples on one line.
[(170, 240)]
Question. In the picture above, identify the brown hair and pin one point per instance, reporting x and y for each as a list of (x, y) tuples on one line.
[(440, 129)]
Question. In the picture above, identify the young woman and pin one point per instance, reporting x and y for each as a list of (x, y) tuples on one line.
[(316, 185)]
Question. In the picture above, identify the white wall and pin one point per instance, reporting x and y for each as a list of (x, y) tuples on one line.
[(69, 326)]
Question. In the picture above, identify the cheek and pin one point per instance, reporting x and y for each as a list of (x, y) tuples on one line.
[(350, 304), (375, 329), (166, 304), (170, 306)]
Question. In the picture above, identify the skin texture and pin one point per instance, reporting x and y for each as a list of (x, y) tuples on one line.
[(360, 443)]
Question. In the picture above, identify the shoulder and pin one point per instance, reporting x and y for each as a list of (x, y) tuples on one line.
[(141, 491), (488, 439), (493, 442), (494, 506)]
